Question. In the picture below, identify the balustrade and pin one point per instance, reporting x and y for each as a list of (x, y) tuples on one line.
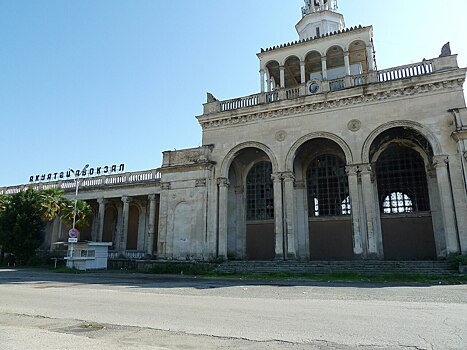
[(403, 72)]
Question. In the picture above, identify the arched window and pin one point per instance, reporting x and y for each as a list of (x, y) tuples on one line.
[(328, 188), (402, 182), (260, 192)]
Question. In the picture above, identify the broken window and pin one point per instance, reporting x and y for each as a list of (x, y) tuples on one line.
[(328, 188), (260, 192)]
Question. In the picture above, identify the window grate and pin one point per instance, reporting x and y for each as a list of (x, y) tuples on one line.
[(260, 192), (402, 182), (328, 187)]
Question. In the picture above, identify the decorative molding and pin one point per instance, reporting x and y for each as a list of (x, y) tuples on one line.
[(465, 155), (200, 183), (101, 201), (276, 177), (152, 197), (352, 170), (440, 161), (126, 199), (332, 104), (281, 135), (165, 186), (223, 182), (354, 125), (288, 176)]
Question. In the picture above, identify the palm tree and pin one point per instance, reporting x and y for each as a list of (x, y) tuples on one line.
[(83, 214), (52, 202)]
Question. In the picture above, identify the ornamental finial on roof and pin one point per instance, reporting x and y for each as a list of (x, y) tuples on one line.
[(312, 6)]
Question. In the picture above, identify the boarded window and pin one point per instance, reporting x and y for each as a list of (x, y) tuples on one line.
[(260, 192)]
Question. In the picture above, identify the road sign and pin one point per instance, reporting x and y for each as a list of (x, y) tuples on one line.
[(72, 240), (73, 233)]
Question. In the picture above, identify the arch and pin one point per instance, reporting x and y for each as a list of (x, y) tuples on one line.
[(313, 66), (358, 58), (292, 71), (110, 225), (232, 154), (335, 57), (316, 135), (273, 71), (431, 137)]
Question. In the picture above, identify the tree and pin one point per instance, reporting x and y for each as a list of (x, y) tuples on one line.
[(83, 213), (21, 224)]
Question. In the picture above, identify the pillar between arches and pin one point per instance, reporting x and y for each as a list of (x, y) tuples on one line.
[(279, 247)]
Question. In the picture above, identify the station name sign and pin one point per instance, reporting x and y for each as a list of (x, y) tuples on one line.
[(66, 175)]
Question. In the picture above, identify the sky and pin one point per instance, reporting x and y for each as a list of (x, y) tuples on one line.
[(120, 81)]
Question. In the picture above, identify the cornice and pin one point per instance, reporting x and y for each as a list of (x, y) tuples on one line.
[(330, 102)]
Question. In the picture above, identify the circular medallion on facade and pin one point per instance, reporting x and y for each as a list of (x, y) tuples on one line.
[(281, 135), (354, 125)]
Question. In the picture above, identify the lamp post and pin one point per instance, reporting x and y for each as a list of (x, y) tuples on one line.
[(75, 206), (76, 191)]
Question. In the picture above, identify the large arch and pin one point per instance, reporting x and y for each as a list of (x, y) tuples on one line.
[(233, 153), (250, 204), (290, 158), (429, 135), (407, 205)]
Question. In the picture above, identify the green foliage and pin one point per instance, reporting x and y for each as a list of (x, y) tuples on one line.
[(83, 214), (457, 260), (21, 225), (190, 269)]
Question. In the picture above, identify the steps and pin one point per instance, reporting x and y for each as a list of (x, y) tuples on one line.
[(366, 267)]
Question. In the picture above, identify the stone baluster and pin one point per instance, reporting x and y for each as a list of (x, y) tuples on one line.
[(151, 229), (223, 187)]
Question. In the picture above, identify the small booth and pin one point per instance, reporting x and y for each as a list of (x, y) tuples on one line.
[(88, 255)]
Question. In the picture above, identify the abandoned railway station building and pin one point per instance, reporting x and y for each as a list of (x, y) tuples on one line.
[(333, 159)]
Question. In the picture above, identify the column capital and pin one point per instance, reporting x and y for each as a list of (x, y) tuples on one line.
[(101, 201), (165, 185), (152, 197), (302, 63), (352, 170), (366, 169), (223, 182), (282, 67), (126, 199), (440, 161), (323, 58), (276, 177), (288, 176), (465, 155), (346, 53)]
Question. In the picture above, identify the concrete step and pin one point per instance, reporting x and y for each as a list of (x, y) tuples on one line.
[(369, 267)]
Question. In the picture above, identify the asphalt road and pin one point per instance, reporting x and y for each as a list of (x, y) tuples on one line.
[(43, 310)]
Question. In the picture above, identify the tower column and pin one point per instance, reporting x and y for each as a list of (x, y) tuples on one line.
[(261, 73), (282, 76), (347, 63), (321, 5), (223, 188), (126, 210), (151, 228), (100, 232), (352, 173), (289, 202), (371, 62), (278, 215), (302, 72), (324, 68)]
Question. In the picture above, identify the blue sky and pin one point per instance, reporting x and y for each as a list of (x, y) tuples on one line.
[(120, 81)]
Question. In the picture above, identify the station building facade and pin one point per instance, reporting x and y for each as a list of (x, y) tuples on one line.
[(332, 160)]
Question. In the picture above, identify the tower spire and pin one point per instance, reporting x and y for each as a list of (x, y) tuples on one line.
[(319, 17)]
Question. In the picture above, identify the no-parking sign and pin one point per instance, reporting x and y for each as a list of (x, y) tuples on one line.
[(73, 236)]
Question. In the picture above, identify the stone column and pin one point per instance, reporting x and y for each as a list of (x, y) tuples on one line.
[(352, 173), (282, 76), (163, 220), (151, 228), (261, 74), (324, 67), (321, 5), (371, 62), (347, 63), (100, 227), (440, 163), (289, 199), (223, 188), (370, 212), (302, 72), (278, 215), (126, 210)]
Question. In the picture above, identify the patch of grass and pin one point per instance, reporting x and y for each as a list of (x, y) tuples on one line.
[(190, 269), (91, 326), (64, 269)]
